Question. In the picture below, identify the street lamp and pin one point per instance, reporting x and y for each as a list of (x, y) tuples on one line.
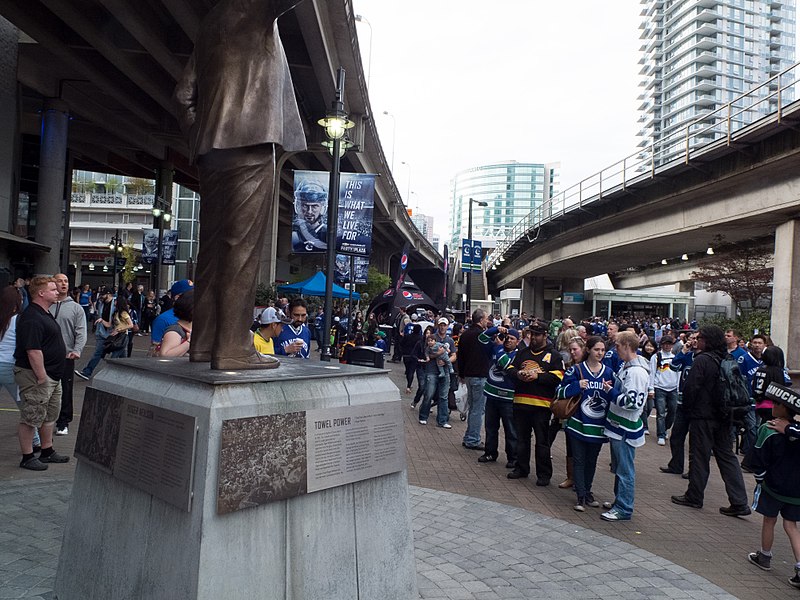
[(161, 216), (115, 245), (336, 124), (469, 273), (408, 183), (394, 136), (361, 19)]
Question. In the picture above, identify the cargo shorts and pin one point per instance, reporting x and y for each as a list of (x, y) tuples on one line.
[(40, 403)]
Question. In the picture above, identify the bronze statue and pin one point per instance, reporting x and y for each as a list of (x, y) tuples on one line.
[(236, 103)]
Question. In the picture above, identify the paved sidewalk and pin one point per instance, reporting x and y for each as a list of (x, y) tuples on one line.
[(486, 531)]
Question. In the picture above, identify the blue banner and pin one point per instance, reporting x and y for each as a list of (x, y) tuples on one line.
[(342, 274), (169, 246), (471, 255), (356, 204)]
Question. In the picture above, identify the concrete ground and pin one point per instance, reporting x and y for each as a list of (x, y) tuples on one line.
[(477, 533)]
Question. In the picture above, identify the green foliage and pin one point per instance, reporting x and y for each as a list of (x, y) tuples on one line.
[(745, 324), (128, 274), (376, 284), (264, 294)]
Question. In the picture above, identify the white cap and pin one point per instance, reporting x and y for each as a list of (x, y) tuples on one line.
[(273, 315), (442, 320)]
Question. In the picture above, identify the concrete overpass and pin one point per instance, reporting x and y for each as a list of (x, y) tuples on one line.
[(730, 179), (95, 79)]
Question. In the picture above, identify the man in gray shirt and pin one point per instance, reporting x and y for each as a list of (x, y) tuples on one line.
[(72, 320)]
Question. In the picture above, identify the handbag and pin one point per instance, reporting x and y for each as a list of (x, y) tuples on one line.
[(564, 408), (116, 342)]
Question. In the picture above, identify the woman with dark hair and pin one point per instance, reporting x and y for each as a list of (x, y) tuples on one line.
[(178, 336), (772, 371), (122, 323), (10, 307), (649, 348), (407, 344)]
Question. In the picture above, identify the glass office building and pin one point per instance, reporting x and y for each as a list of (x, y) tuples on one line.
[(511, 191), (698, 55)]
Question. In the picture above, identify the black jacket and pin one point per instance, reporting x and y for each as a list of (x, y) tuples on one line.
[(472, 360), (700, 388)]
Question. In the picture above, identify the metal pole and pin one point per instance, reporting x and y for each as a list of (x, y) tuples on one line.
[(469, 273), (114, 268), (350, 297), (159, 256), (333, 220)]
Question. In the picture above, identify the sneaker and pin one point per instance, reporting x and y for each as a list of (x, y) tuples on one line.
[(662, 442), (408, 390), (542, 482), (795, 581), (579, 506), (55, 457), (684, 501), (63, 431), (590, 501), (82, 375), (735, 511), (608, 505), (516, 474), (423, 422), (762, 561), (647, 432), (446, 426), (487, 458), (33, 464), (614, 515)]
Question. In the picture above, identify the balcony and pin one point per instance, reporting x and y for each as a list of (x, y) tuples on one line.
[(113, 200)]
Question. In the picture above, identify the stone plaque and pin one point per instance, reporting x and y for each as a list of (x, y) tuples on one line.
[(275, 457), (145, 446)]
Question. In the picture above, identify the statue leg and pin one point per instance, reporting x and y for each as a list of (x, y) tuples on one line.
[(242, 182)]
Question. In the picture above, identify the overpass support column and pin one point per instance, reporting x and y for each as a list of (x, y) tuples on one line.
[(687, 286), (532, 296), (9, 118), (572, 295), (52, 165), (786, 292)]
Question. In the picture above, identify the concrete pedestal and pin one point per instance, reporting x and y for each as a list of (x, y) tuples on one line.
[(348, 542)]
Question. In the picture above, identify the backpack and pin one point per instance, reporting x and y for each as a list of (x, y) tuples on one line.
[(733, 393)]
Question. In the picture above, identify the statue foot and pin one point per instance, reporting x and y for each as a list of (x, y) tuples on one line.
[(254, 361), (199, 356)]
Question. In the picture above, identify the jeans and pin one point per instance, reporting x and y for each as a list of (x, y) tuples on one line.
[(99, 353), (584, 465), (437, 386), (677, 440), (476, 403), (666, 404), (422, 384), (705, 436), (498, 411), (750, 430), (65, 415), (622, 455), (533, 420)]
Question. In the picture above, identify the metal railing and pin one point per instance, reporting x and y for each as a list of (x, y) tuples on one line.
[(763, 105), (112, 199)]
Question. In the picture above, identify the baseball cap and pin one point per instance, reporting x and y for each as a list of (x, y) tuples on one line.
[(273, 315), (513, 332), (784, 395), (537, 326), (415, 317), (181, 287), (667, 339), (441, 320)]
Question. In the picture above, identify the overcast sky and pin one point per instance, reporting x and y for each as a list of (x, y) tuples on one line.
[(471, 83)]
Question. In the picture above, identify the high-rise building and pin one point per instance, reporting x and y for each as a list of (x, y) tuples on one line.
[(511, 190), (698, 55), (424, 224)]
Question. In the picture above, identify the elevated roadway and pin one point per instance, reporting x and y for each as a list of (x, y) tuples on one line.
[(113, 64)]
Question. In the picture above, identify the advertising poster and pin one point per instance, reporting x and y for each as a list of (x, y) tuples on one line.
[(149, 246), (342, 274), (356, 203), (169, 246)]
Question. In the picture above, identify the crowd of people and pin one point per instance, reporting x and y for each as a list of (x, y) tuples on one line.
[(598, 381), (611, 375)]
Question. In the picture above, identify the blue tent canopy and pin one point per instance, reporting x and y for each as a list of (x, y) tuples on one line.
[(315, 286)]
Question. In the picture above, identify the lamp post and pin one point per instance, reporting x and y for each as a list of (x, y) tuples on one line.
[(114, 245), (408, 184), (361, 19), (469, 273), (336, 124), (394, 136), (161, 217)]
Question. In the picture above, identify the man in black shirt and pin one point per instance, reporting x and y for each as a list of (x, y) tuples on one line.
[(39, 363)]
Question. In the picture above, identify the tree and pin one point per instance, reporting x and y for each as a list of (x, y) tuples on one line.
[(743, 273), (376, 284), (128, 274)]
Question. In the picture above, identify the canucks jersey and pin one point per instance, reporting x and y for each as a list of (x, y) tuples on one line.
[(588, 422)]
